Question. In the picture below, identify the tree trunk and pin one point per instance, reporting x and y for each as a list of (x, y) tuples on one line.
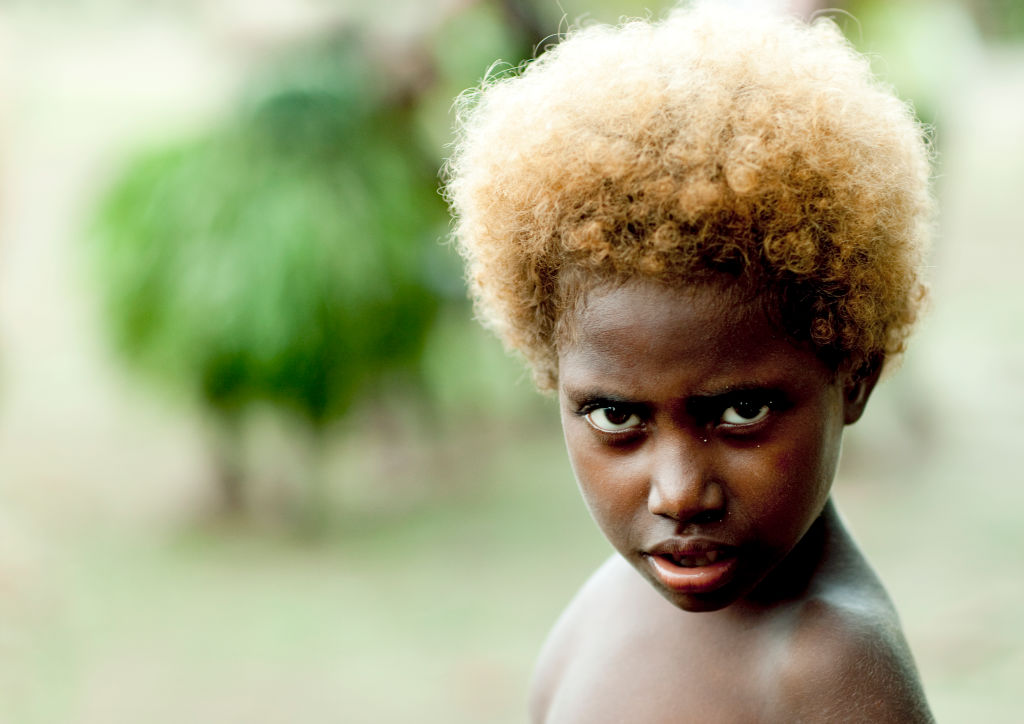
[(229, 468)]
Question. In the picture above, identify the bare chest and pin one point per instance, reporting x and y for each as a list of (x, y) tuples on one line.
[(647, 673)]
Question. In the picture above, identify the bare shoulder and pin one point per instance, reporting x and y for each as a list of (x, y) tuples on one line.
[(847, 660), (833, 652), (563, 641), (622, 653)]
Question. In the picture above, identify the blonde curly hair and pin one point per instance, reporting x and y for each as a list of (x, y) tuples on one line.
[(715, 144)]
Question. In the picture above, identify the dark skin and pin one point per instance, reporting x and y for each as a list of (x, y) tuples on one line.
[(705, 443)]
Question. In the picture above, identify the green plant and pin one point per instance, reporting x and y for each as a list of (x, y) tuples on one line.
[(285, 256)]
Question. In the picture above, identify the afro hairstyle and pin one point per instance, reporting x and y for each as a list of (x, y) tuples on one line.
[(717, 145)]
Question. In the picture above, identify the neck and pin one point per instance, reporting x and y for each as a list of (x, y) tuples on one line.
[(825, 548)]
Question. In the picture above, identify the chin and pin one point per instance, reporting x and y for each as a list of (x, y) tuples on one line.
[(699, 604)]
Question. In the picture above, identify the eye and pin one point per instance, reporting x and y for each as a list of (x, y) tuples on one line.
[(745, 412), (613, 419)]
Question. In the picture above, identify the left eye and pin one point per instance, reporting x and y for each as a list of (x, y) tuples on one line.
[(745, 413), (613, 419)]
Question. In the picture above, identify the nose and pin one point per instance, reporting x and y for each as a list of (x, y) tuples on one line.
[(683, 483)]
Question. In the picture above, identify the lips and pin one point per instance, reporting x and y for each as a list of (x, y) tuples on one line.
[(692, 567)]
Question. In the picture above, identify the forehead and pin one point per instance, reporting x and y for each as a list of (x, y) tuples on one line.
[(706, 336)]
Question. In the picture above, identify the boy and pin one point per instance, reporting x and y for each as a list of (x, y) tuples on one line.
[(705, 234)]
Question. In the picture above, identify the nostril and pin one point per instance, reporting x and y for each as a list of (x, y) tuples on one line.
[(707, 516)]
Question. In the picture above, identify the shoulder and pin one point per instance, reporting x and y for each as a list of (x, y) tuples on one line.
[(591, 607), (846, 660)]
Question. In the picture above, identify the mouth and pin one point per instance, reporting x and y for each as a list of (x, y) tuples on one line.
[(696, 560), (692, 569)]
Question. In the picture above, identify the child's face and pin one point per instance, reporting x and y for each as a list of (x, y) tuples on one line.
[(704, 442)]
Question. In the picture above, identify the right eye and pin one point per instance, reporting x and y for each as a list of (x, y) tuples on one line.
[(613, 419)]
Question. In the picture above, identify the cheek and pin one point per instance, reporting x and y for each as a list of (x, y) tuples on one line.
[(610, 487), (795, 480)]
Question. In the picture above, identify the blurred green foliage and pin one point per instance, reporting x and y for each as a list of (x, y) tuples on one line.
[(1001, 20), (289, 255), (900, 39)]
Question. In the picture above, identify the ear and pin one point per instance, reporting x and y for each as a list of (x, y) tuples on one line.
[(857, 387)]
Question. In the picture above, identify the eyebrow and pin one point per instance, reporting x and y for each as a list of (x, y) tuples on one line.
[(700, 404), (595, 395)]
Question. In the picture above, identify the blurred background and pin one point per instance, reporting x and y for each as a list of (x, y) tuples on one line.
[(257, 464)]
